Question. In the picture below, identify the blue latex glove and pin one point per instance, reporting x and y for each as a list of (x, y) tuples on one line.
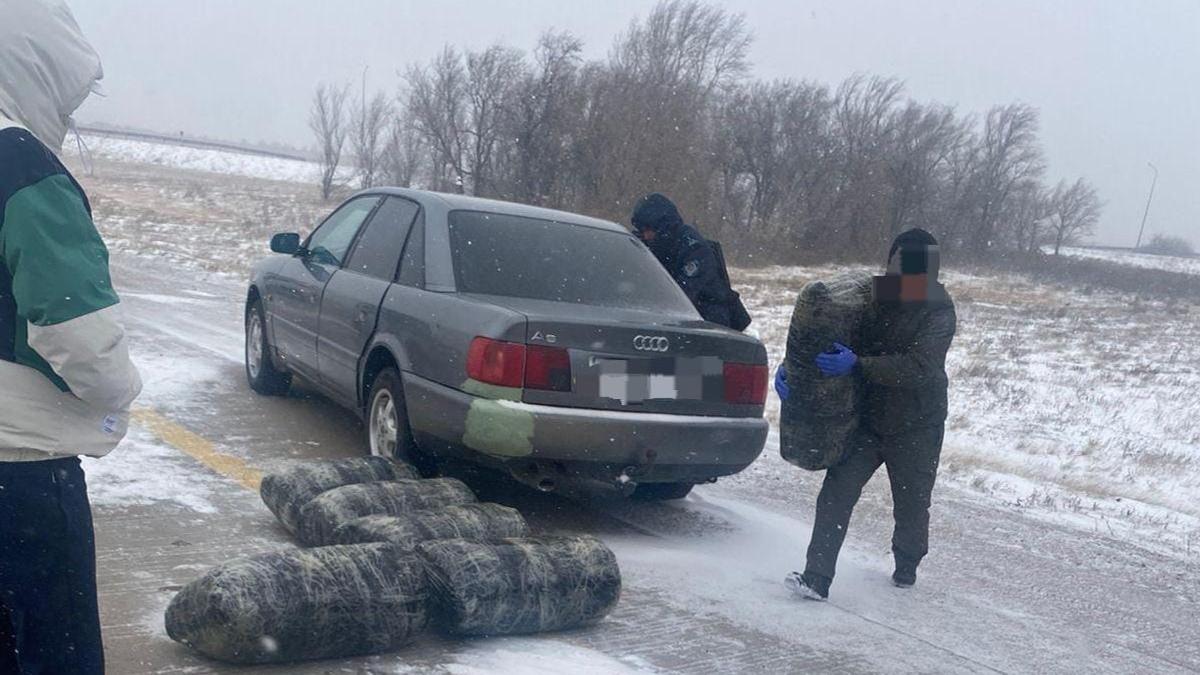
[(781, 385), (837, 362)]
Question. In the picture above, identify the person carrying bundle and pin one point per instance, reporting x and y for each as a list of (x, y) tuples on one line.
[(901, 358)]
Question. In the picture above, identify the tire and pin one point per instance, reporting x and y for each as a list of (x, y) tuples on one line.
[(661, 492), (388, 432), (261, 373)]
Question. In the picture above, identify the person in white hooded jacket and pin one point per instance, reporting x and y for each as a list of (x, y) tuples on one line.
[(66, 380)]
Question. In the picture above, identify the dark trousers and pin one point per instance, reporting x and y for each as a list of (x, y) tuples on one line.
[(912, 460), (49, 619)]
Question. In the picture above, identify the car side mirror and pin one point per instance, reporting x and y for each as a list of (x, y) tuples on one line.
[(287, 243)]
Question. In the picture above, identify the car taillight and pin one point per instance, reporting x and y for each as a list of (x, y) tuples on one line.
[(496, 362), (745, 383), (547, 368)]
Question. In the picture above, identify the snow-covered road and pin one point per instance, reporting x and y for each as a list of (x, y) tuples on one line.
[(1000, 592)]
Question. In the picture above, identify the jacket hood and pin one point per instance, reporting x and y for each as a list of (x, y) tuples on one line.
[(658, 212), (47, 67)]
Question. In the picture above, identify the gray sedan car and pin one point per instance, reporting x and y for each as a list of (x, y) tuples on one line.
[(546, 344)]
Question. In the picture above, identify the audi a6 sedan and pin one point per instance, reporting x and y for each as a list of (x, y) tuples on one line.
[(546, 344)]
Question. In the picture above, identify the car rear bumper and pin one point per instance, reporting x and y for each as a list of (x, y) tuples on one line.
[(580, 443)]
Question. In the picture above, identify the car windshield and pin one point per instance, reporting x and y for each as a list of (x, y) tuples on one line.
[(511, 256)]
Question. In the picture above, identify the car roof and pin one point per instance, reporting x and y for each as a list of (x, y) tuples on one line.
[(455, 202)]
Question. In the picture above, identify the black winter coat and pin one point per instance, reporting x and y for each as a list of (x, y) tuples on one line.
[(687, 256), (694, 266), (902, 360)]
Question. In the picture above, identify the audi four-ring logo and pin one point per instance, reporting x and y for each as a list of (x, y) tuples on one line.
[(649, 343)]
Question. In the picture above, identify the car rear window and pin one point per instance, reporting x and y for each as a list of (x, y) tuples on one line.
[(511, 256)]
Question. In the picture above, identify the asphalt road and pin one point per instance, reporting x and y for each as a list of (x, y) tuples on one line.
[(1000, 593)]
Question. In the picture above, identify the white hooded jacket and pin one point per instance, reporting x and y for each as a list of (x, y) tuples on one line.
[(66, 380)]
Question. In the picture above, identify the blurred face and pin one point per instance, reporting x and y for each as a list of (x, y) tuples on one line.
[(646, 234), (907, 279), (914, 287)]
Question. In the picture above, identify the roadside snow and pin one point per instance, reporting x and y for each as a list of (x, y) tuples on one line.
[(141, 472), (201, 159), (536, 656), (1146, 260)]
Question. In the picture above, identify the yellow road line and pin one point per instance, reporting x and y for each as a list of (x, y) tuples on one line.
[(198, 448)]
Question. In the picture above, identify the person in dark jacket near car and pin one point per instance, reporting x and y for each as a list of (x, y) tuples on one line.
[(902, 363), (689, 257)]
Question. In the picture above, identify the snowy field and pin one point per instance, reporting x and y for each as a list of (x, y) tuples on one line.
[(1168, 263), (198, 159), (1072, 406)]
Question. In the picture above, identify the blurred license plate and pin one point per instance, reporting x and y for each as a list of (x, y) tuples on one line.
[(638, 380), (636, 388)]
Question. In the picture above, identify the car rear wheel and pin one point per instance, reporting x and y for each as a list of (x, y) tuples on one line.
[(388, 432), (260, 370), (661, 492)]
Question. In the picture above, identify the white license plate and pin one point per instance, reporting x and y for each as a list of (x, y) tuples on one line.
[(637, 388)]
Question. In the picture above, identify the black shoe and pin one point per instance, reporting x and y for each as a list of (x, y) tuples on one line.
[(808, 586), (904, 578)]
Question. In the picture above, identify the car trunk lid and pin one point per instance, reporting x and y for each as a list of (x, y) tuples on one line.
[(636, 360)]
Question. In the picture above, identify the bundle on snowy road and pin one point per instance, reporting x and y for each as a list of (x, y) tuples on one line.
[(287, 491), (321, 517), (520, 585), (818, 421), (303, 604), (475, 522)]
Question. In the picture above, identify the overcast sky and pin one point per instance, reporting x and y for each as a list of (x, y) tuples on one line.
[(1117, 81)]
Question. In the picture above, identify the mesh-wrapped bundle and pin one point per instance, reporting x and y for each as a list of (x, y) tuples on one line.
[(325, 513), (818, 421), (476, 522), (520, 585), (303, 604), (287, 491)]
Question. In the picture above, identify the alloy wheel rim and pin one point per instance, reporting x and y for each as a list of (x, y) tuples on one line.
[(254, 349), (384, 425)]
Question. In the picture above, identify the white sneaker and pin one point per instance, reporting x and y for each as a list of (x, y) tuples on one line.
[(795, 582)]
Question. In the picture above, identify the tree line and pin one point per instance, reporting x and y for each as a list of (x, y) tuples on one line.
[(780, 171)]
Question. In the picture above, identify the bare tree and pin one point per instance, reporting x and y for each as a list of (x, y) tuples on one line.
[(1165, 244), (684, 43), (1027, 216), (648, 113), (545, 118), (491, 76), (437, 112), (781, 138), (370, 122), (402, 152), (1009, 155), (863, 118), (327, 121), (923, 139), (1074, 211)]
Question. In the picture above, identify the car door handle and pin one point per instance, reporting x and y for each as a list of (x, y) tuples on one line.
[(361, 318)]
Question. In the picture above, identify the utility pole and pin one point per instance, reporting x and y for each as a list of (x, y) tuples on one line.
[(1138, 245)]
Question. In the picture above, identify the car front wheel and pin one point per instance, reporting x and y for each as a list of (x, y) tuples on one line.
[(260, 370)]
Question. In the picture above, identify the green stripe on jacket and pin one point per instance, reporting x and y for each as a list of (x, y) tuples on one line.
[(58, 262)]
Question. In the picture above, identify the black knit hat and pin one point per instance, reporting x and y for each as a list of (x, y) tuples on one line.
[(918, 254), (915, 239)]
